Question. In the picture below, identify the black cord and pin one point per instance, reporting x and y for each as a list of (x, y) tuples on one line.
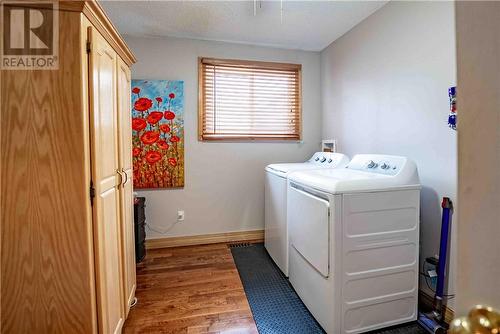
[(427, 276)]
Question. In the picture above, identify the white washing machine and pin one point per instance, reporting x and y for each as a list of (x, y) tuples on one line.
[(354, 242), (276, 231)]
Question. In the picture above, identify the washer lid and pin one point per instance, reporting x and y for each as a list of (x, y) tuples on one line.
[(365, 172), (319, 160)]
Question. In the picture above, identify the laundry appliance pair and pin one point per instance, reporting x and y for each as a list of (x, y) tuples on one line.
[(348, 236)]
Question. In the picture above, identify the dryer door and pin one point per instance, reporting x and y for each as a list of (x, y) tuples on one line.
[(308, 216)]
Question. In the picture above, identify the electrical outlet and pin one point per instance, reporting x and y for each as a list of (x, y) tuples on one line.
[(180, 216)]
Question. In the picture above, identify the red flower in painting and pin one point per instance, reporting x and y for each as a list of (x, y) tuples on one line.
[(165, 128), (171, 95), (174, 139), (150, 137), (163, 144), (159, 99), (169, 115), (136, 90), (154, 117), (143, 104), (138, 124), (136, 151), (172, 162), (153, 157)]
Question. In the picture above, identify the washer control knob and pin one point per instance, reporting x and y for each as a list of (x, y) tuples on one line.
[(330, 160), (323, 159), (385, 166), (317, 159), (372, 164)]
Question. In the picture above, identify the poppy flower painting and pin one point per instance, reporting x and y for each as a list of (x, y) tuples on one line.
[(165, 128), (150, 137), (169, 115), (158, 133), (142, 104), (154, 117), (138, 124), (163, 144)]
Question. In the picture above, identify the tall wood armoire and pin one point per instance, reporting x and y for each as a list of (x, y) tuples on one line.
[(67, 243)]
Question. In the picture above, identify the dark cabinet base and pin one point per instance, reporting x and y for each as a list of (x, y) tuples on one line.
[(139, 227)]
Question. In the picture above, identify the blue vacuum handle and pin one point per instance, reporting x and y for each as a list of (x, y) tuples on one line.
[(447, 206)]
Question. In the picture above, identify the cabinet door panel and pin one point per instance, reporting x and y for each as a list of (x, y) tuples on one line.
[(125, 152), (124, 114), (106, 207)]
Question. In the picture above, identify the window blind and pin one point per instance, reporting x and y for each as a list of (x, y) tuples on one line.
[(249, 100)]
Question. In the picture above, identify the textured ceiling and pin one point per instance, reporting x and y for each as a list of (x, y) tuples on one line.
[(306, 25)]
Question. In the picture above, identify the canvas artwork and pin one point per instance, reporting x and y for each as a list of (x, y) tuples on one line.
[(158, 133)]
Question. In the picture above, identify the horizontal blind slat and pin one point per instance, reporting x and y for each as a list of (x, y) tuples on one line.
[(235, 87), (250, 71), (246, 78), (269, 115)]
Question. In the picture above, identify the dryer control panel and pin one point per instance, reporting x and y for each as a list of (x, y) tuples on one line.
[(378, 163), (327, 158)]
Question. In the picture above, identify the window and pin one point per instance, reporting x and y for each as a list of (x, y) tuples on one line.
[(240, 100)]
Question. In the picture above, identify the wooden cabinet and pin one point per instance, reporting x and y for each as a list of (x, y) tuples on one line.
[(67, 242)]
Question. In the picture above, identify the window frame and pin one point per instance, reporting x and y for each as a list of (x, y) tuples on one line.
[(247, 64)]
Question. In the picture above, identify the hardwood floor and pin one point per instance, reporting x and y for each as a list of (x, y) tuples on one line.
[(193, 289)]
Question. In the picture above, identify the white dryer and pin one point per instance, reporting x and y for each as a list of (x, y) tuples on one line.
[(354, 242), (276, 230)]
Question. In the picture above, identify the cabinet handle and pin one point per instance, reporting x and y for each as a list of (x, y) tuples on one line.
[(121, 177), (126, 177)]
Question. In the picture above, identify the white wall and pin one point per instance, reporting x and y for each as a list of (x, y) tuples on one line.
[(384, 90), (224, 182)]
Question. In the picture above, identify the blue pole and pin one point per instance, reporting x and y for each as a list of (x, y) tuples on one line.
[(432, 322), (447, 206)]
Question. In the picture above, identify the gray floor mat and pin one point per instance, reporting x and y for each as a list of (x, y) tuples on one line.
[(275, 306)]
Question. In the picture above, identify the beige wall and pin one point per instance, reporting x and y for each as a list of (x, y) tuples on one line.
[(478, 63), (224, 189), (385, 90)]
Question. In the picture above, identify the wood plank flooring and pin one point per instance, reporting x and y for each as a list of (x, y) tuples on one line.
[(193, 289)]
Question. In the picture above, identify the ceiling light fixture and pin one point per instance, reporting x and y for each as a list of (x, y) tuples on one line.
[(260, 7)]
